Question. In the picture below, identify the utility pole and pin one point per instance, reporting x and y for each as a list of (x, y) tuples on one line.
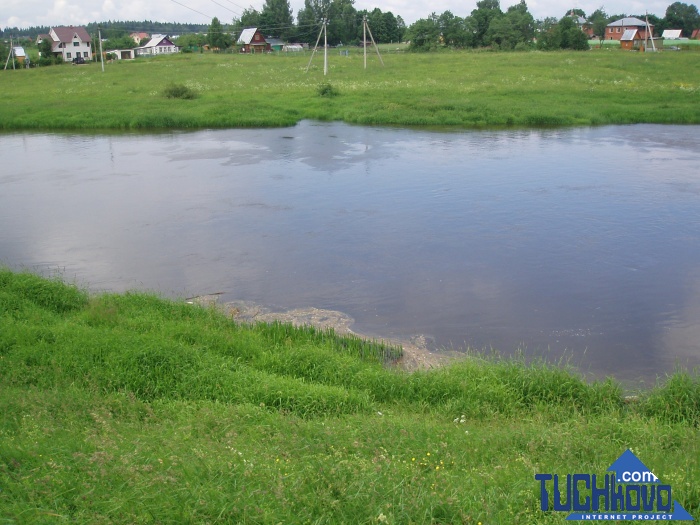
[(365, 28), (325, 48), (102, 57), (364, 38), (10, 54), (648, 35)]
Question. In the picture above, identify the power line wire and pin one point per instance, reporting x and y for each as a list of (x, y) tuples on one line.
[(191, 9)]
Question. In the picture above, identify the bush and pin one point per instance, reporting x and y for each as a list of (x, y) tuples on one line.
[(179, 91), (327, 90)]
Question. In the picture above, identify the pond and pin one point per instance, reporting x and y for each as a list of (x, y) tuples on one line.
[(583, 243)]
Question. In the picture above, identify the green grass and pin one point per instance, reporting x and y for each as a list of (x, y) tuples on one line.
[(134, 409), (452, 88)]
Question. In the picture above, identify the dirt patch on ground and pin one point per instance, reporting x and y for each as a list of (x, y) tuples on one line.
[(419, 352)]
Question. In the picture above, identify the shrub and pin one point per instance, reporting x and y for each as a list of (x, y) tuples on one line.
[(327, 90), (179, 91)]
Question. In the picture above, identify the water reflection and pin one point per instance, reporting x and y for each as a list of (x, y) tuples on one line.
[(581, 241)]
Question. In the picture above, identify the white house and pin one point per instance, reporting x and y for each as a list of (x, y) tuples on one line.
[(158, 45), (70, 42)]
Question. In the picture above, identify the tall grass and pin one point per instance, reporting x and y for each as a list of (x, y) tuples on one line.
[(130, 408), (463, 89)]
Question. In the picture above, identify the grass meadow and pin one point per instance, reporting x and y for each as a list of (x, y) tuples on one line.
[(467, 89), (133, 409)]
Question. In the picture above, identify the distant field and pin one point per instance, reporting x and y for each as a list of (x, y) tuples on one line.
[(452, 88)]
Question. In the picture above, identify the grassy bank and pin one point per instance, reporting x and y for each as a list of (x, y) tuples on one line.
[(132, 409), (464, 89)]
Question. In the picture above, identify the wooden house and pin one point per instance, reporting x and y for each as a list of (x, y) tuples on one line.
[(252, 41)]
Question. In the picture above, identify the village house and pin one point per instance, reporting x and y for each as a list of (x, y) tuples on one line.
[(157, 45), (138, 37), (252, 41), (583, 24), (616, 29), (69, 42)]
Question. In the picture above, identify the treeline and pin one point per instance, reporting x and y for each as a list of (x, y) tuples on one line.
[(111, 29), (344, 22), (488, 26)]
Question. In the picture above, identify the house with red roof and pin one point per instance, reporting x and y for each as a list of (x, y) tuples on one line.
[(69, 42)]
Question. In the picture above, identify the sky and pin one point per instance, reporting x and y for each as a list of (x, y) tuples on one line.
[(26, 13)]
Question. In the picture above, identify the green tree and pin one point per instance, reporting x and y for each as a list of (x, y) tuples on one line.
[(481, 17), (249, 18), (453, 30), (548, 36), (576, 12), (563, 35), (516, 28), (46, 48), (122, 42), (571, 35), (391, 25), (682, 16), (191, 41), (216, 36), (276, 18), (424, 34), (377, 24), (342, 20), (599, 22)]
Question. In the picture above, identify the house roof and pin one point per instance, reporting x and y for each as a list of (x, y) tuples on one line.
[(671, 33), (18, 51), (157, 41), (67, 33), (629, 34), (247, 36), (628, 21)]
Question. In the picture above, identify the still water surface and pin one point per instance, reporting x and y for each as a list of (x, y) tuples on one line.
[(578, 242)]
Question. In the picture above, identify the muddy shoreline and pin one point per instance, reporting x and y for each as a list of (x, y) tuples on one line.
[(418, 351)]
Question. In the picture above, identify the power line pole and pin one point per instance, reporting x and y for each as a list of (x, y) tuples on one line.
[(364, 37), (10, 54), (325, 49), (102, 57), (366, 28)]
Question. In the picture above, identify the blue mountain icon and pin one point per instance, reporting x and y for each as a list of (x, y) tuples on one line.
[(629, 469)]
